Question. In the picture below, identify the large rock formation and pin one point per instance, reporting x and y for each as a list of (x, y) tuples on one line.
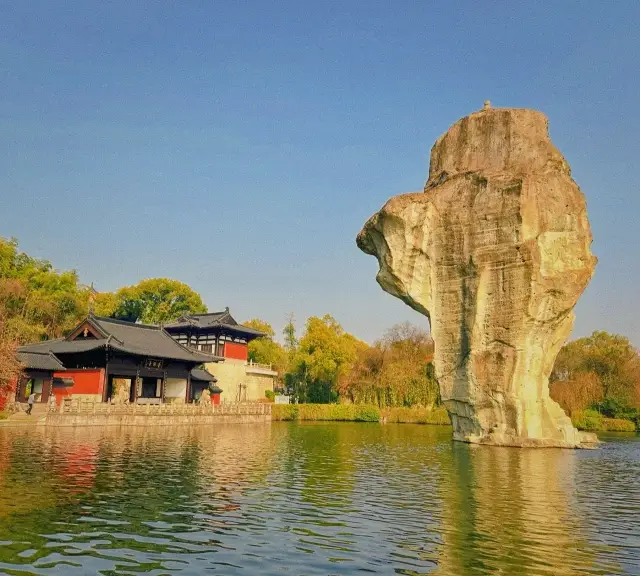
[(496, 252)]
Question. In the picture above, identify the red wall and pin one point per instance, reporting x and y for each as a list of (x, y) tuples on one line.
[(236, 351), (215, 398), (84, 382)]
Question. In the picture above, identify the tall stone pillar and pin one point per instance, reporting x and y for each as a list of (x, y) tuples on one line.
[(495, 252)]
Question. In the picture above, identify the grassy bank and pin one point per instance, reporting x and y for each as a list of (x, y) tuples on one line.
[(593, 421), (358, 413)]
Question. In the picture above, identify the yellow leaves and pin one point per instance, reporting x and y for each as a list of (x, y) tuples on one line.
[(394, 371)]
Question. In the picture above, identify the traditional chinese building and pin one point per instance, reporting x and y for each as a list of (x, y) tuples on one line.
[(106, 358), (218, 333)]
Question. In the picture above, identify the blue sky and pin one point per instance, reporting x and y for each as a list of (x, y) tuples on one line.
[(240, 146)]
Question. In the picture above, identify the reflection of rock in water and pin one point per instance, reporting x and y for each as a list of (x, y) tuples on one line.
[(512, 512), (496, 250)]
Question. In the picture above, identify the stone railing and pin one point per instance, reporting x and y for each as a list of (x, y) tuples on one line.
[(70, 406), (258, 366)]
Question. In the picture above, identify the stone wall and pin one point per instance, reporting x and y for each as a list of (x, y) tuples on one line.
[(152, 420)]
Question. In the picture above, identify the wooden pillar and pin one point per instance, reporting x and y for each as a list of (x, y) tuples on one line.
[(188, 394), (46, 390), (163, 387), (105, 392), (137, 381)]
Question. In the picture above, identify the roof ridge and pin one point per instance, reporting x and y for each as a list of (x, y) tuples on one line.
[(208, 313), (44, 353), (126, 323)]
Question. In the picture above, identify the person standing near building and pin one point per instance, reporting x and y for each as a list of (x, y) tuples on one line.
[(30, 402)]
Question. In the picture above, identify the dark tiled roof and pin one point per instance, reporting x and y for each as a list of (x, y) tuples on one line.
[(213, 320), (40, 361), (202, 375), (65, 346), (137, 339)]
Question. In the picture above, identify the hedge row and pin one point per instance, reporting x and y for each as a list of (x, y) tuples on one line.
[(593, 421), (358, 413), (437, 416)]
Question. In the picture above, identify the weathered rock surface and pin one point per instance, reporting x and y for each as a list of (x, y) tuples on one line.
[(496, 252)]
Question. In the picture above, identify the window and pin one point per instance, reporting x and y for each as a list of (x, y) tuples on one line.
[(220, 350), (207, 348)]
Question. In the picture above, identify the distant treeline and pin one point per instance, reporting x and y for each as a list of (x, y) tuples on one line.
[(593, 377)]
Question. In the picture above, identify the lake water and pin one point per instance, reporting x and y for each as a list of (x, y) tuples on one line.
[(311, 499)]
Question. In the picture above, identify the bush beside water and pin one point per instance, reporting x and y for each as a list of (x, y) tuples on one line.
[(358, 413), (593, 421), (588, 420), (618, 425), (402, 415)]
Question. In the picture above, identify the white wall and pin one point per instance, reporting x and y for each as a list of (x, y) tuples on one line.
[(232, 374)]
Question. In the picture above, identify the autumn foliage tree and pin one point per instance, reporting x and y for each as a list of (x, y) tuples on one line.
[(397, 370), (324, 354), (601, 371), (9, 364)]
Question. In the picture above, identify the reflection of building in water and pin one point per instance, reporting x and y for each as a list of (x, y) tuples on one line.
[(235, 453), (511, 511)]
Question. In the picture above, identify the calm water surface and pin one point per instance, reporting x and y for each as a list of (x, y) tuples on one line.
[(311, 499)]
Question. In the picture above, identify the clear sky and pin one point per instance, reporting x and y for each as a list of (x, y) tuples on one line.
[(239, 146)]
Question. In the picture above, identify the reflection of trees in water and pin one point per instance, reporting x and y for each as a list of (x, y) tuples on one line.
[(315, 476), (356, 496), (145, 490), (511, 511)]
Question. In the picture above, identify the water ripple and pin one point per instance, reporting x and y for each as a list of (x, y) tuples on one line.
[(311, 499)]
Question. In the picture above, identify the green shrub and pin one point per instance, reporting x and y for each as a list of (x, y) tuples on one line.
[(589, 420), (367, 414), (618, 425), (359, 413), (3, 415), (270, 395), (593, 421), (285, 412), (326, 412), (416, 415)]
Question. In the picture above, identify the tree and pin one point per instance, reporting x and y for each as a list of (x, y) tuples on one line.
[(156, 301), (289, 332), (397, 370), (579, 393), (265, 350), (9, 365), (105, 304), (610, 357), (37, 301), (324, 353)]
